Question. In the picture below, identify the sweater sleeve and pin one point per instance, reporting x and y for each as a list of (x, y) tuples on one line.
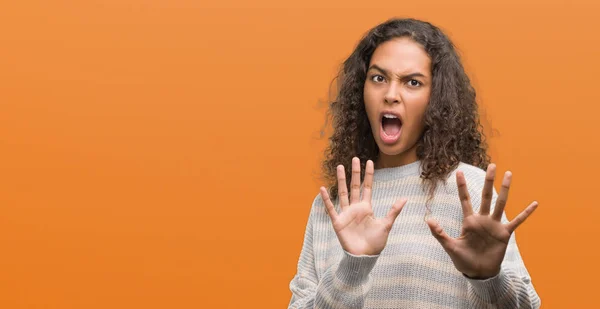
[(343, 285), (512, 287)]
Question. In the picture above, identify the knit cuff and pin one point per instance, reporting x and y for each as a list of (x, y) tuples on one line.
[(354, 270), (492, 289)]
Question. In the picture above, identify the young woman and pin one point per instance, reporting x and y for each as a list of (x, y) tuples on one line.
[(406, 120)]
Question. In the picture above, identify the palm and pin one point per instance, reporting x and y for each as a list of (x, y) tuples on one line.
[(356, 235), (479, 250), (482, 244), (357, 229)]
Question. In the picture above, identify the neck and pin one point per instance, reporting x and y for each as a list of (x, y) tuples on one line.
[(407, 157)]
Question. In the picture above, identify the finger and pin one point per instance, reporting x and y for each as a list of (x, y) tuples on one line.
[(463, 194), (328, 204), (390, 218), (438, 232), (368, 182), (355, 181), (502, 197), (488, 190), (514, 224), (342, 188)]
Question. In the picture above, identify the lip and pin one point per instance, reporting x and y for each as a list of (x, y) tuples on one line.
[(389, 140), (391, 113)]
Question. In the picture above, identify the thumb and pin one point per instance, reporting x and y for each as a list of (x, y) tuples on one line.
[(438, 232), (390, 218)]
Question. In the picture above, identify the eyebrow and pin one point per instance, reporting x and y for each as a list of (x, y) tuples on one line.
[(378, 68)]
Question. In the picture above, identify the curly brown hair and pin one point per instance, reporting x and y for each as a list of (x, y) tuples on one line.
[(452, 131)]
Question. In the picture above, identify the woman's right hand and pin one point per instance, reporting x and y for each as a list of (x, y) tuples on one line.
[(357, 229)]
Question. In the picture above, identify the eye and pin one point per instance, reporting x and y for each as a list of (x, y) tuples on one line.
[(377, 78), (414, 83)]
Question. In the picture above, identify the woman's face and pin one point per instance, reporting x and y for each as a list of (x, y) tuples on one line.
[(396, 94)]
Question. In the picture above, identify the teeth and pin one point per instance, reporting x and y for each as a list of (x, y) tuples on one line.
[(389, 116)]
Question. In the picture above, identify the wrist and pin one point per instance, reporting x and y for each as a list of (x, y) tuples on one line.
[(482, 275), (491, 290), (354, 270), (475, 277)]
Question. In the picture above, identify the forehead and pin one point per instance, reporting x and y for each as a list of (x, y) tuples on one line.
[(401, 55)]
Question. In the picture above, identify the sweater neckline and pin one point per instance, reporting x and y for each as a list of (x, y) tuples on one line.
[(397, 172)]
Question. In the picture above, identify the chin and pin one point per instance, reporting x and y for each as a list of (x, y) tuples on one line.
[(391, 150)]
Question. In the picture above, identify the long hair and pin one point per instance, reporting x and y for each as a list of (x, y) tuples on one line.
[(452, 131)]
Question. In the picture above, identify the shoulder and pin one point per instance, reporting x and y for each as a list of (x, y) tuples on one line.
[(317, 209), (471, 172), (317, 203), (474, 175)]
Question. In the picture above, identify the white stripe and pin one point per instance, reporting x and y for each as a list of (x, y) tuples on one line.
[(417, 260), (403, 303), (420, 283)]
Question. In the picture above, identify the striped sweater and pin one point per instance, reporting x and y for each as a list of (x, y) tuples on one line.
[(413, 271)]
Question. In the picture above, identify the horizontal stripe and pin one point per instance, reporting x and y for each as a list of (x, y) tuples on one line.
[(456, 288), (408, 304), (413, 270)]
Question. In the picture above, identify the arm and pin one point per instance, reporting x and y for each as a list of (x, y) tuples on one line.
[(361, 236), (512, 287), (486, 250), (344, 285)]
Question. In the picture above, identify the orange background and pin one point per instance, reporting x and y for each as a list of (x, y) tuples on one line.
[(164, 154)]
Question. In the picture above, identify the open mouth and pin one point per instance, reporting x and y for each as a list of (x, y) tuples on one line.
[(390, 124)]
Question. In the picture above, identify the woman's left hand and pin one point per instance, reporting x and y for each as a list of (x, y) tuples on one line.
[(479, 250)]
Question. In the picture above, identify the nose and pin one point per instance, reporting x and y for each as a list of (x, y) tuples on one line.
[(392, 95)]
